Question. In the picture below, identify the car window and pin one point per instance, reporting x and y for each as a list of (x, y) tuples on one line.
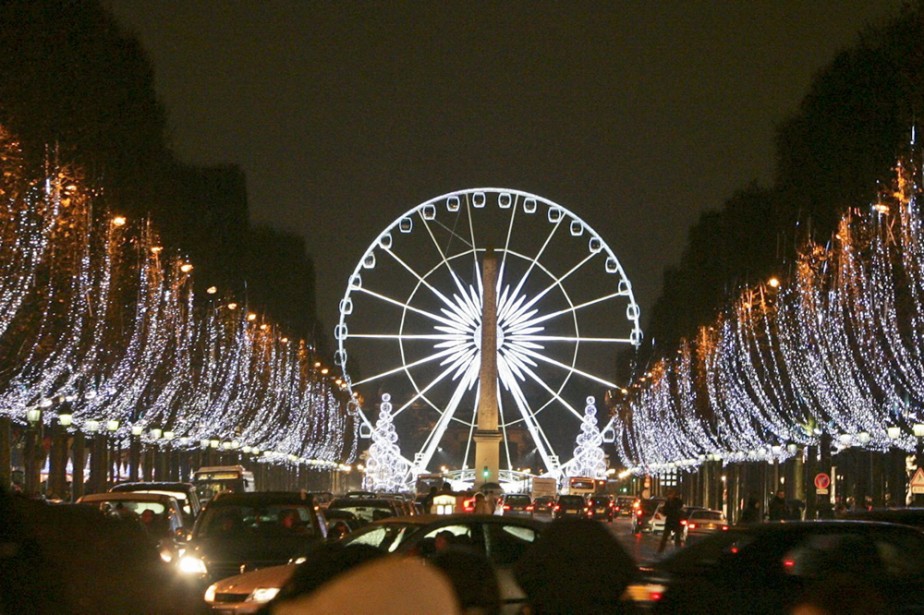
[(507, 543), (706, 515), (517, 500), (457, 530), (278, 518), (571, 500), (385, 537), (817, 555)]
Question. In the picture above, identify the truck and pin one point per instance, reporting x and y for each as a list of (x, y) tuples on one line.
[(544, 486)]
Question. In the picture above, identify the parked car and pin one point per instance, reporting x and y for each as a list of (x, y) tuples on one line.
[(642, 512), (601, 507), (570, 506), (514, 505), (159, 514), (245, 531), (772, 568), (502, 539), (185, 494)]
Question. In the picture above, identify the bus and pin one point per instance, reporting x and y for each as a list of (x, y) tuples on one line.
[(586, 485), (212, 480)]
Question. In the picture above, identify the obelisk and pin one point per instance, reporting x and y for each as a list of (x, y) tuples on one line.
[(487, 437)]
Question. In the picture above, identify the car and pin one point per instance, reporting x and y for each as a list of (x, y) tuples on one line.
[(570, 506), (642, 511), (698, 522), (601, 507), (249, 530), (656, 522), (624, 505), (503, 539), (543, 506), (775, 567), (159, 514), (906, 516), (185, 494), (514, 505), (369, 507)]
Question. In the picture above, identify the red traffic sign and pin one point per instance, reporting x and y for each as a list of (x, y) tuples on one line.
[(822, 481), (917, 482)]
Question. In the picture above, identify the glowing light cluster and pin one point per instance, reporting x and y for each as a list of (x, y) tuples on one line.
[(837, 349), (98, 319), (589, 458), (386, 470)]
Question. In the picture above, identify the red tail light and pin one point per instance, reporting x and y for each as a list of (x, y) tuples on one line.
[(506, 506), (692, 526), (556, 507), (530, 507), (684, 522)]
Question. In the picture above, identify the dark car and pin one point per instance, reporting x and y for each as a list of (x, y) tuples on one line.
[(624, 505), (905, 516), (544, 506), (570, 506), (246, 531), (835, 566), (185, 494), (601, 507), (642, 512), (369, 507), (514, 505)]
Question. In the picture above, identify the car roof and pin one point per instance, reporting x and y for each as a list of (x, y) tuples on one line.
[(161, 485), (228, 498), (125, 496)]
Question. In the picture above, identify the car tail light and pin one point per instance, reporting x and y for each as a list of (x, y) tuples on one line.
[(556, 507), (468, 505), (724, 528), (506, 506), (530, 507), (691, 526), (683, 522), (788, 563), (638, 513)]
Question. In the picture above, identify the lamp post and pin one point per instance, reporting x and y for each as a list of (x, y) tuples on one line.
[(97, 464), (134, 452), (155, 456), (112, 426), (169, 467), (918, 430), (896, 475), (57, 475)]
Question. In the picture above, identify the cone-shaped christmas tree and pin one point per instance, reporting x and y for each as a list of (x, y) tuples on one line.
[(385, 469), (589, 458)]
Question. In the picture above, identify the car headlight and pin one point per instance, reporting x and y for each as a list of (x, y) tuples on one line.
[(191, 564), (210, 593), (263, 594)]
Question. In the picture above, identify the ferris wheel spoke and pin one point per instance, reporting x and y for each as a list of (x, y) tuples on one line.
[(566, 338), (535, 259), (407, 306), (434, 337), (524, 368), (434, 357), (460, 287), (573, 309), (568, 368), (503, 263), (439, 294), (532, 425), (439, 429), (454, 366), (556, 282)]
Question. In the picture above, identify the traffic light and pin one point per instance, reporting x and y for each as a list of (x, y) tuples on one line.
[(485, 473)]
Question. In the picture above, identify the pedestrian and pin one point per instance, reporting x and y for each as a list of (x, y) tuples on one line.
[(776, 509), (751, 512), (482, 506), (427, 503), (672, 509)]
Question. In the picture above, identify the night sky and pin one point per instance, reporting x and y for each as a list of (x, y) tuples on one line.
[(637, 116)]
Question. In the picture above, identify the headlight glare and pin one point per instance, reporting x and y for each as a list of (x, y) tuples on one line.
[(263, 594), (192, 565)]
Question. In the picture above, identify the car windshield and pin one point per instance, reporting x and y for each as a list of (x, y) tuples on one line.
[(179, 496), (249, 519), (129, 508), (706, 515)]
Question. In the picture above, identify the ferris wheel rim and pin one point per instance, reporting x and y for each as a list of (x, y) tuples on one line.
[(383, 241)]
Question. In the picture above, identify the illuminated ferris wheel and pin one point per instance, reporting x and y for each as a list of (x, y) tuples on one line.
[(410, 326)]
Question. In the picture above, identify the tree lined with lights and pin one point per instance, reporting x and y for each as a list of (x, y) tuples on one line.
[(837, 351), (98, 316), (386, 469)]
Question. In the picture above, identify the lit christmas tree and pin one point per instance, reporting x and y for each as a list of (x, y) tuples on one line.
[(589, 459), (385, 469)]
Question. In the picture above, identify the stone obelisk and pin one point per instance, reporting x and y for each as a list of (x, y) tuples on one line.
[(487, 437)]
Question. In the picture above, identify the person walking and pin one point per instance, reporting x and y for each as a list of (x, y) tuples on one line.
[(673, 511), (751, 512)]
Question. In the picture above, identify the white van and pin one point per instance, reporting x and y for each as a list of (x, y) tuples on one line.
[(212, 480)]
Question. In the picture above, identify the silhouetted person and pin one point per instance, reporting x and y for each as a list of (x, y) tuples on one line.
[(751, 512), (672, 509), (472, 577)]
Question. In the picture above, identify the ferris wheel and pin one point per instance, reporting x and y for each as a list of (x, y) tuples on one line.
[(410, 326)]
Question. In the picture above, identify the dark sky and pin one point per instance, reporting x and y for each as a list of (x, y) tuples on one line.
[(637, 116)]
